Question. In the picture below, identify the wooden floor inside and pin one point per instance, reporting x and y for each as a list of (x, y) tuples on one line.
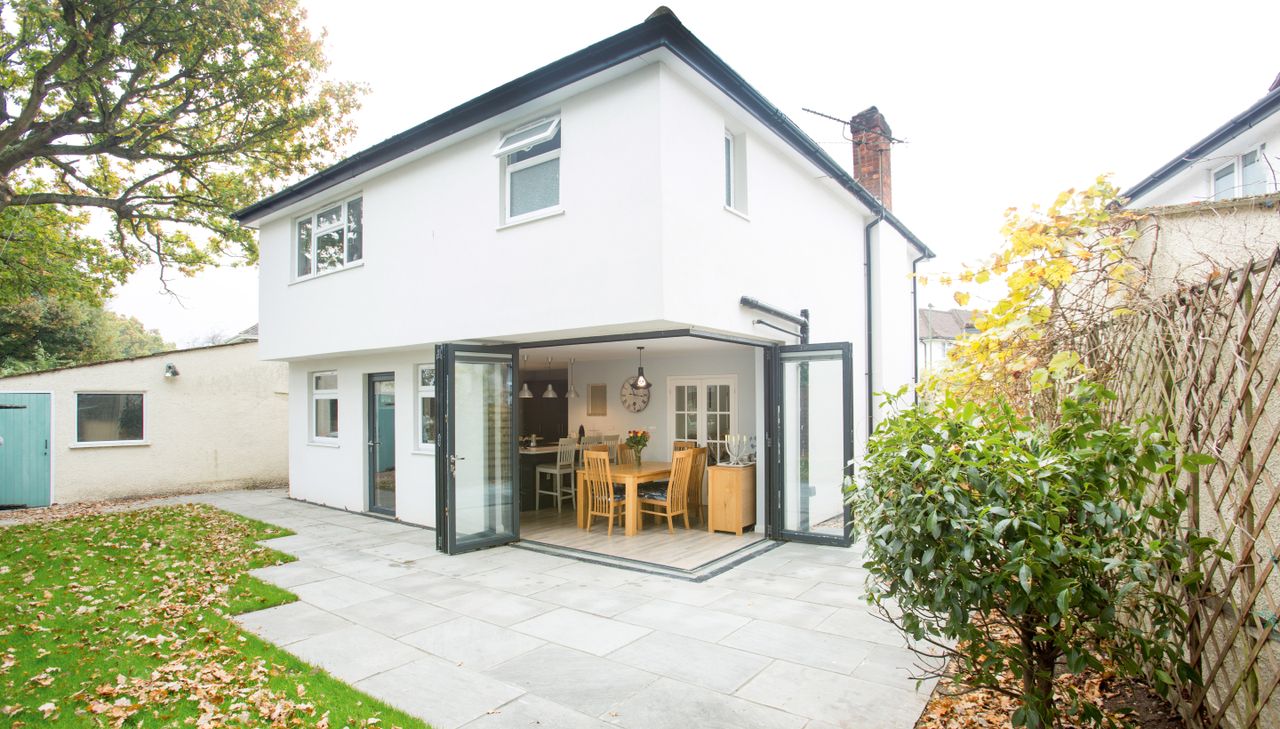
[(687, 549)]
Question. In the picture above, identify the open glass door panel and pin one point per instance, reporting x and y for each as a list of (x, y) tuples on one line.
[(815, 441), (476, 448)]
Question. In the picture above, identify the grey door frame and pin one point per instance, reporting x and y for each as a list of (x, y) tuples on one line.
[(371, 415)]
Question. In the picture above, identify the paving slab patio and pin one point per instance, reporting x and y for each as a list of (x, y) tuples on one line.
[(512, 638)]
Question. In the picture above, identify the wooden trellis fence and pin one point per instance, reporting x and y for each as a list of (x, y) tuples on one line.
[(1206, 361)]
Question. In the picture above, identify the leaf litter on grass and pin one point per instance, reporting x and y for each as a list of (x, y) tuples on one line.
[(108, 619)]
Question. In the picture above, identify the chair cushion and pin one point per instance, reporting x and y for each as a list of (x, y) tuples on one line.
[(653, 493)]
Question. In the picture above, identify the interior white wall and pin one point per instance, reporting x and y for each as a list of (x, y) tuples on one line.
[(337, 475)]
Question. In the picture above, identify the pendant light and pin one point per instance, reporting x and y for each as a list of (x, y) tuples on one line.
[(524, 388), (551, 391), (572, 392), (642, 382)]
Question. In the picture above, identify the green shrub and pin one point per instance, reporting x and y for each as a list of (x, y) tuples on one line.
[(1014, 547)]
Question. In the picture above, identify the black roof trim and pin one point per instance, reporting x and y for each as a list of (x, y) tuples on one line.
[(1239, 124), (660, 30)]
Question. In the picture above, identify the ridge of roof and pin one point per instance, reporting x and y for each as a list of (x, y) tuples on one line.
[(1240, 123), (662, 29)]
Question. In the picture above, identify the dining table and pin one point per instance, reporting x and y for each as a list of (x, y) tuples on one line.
[(630, 475)]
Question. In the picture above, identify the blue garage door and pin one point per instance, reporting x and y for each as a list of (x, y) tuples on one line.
[(24, 449)]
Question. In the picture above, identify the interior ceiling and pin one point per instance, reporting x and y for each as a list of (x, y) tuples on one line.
[(625, 350)]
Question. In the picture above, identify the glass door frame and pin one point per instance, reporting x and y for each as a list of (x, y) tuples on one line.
[(774, 446), (446, 448), (371, 418)]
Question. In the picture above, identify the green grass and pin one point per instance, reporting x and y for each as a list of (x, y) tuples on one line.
[(123, 619)]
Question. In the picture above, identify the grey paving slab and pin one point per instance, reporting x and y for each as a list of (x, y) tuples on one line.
[(402, 551), (534, 712), (367, 568), (515, 579), (897, 668), (292, 573), (596, 600), (445, 695), (782, 610), (665, 588), (686, 620), (593, 575), (533, 561), (294, 543), (582, 631), (338, 592), (712, 666), (395, 615), (812, 553), (496, 606), (583, 682), (834, 698), (472, 643), (818, 572), (354, 653), (762, 584), (669, 704), (827, 593), (864, 624), (429, 586), (285, 624), (461, 565), (807, 647)]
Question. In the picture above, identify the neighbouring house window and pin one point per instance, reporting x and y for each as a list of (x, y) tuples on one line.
[(329, 238), (109, 417), (735, 172), (324, 406), (531, 168), (1245, 176), (426, 407)]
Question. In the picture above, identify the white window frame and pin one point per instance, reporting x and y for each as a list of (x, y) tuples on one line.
[(1237, 174), (316, 395), (422, 392), (730, 171), (75, 420), (1268, 185), (701, 382), (506, 148), (1230, 192), (316, 232)]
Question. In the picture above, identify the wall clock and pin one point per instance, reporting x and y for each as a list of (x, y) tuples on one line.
[(633, 398)]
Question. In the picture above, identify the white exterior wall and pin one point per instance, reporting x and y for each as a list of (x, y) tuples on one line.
[(1195, 183), (221, 423), (894, 315), (337, 475)]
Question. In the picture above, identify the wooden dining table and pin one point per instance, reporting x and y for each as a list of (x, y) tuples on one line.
[(631, 476)]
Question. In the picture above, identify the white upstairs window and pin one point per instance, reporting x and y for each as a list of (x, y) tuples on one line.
[(329, 238), (735, 173), (1244, 176), (530, 157)]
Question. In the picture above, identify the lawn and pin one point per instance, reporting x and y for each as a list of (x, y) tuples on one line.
[(123, 620)]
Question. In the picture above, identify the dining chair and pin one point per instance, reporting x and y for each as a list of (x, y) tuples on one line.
[(673, 500), (612, 442), (626, 456), (680, 445), (566, 451), (697, 477), (602, 498)]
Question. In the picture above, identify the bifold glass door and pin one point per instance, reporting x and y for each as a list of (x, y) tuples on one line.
[(476, 471), (812, 442)]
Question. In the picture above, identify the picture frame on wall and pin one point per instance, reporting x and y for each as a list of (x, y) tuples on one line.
[(597, 400)]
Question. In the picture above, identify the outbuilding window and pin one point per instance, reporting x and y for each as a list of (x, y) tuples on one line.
[(531, 169), (110, 417), (329, 238)]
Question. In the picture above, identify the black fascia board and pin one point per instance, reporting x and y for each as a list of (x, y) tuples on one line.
[(1263, 108), (663, 30)]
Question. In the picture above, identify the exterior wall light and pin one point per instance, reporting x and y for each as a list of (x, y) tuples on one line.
[(170, 370)]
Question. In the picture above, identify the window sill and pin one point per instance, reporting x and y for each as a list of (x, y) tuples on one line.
[(322, 444), (423, 452), (330, 272), (112, 444), (737, 213), (531, 217)]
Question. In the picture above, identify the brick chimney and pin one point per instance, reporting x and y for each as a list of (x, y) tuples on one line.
[(871, 139)]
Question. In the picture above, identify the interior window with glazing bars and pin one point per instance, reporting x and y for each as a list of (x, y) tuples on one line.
[(531, 160), (329, 238), (324, 405)]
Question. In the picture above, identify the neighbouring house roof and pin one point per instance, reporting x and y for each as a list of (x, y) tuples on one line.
[(248, 335), (167, 353), (661, 30), (1259, 111), (944, 323)]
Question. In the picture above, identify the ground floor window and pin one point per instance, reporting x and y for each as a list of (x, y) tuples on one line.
[(703, 409), (426, 408), (324, 406), (109, 417)]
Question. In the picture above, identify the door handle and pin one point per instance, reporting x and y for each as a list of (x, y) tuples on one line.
[(453, 464)]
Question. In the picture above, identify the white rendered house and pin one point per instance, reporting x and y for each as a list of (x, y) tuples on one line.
[(636, 193)]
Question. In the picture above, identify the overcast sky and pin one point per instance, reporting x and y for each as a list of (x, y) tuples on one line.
[(999, 104)]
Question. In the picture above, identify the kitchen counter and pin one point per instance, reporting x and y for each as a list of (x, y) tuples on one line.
[(538, 450)]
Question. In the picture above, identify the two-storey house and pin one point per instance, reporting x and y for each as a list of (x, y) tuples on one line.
[(455, 299)]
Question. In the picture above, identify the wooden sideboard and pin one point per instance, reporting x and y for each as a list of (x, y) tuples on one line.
[(731, 498)]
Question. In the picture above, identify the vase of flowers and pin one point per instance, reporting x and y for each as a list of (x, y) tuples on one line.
[(636, 441)]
